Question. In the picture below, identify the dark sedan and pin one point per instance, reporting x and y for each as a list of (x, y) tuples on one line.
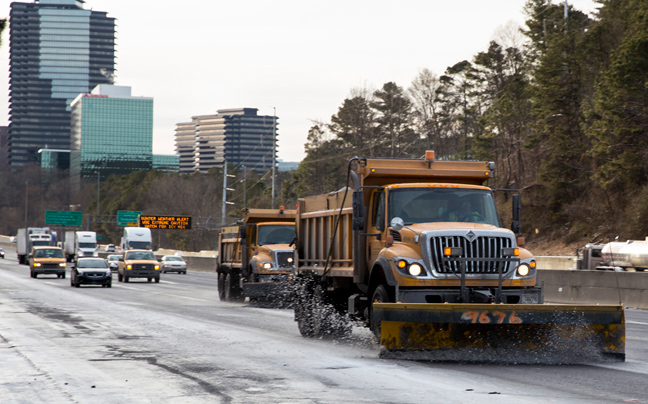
[(91, 271)]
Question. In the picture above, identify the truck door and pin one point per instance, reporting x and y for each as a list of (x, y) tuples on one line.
[(376, 225)]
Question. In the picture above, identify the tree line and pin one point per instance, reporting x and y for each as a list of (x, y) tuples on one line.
[(561, 109)]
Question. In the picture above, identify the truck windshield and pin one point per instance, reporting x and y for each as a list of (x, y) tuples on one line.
[(140, 255), (424, 205), (139, 245), (87, 245), (53, 253), (275, 234)]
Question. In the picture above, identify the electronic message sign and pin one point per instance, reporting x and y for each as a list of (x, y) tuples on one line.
[(165, 222)]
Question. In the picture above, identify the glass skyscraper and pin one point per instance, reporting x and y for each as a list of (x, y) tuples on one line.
[(112, 133), (57, 50)]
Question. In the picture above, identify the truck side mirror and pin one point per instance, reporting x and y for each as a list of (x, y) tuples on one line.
[(516, 226), (243, 232), (358, 210)]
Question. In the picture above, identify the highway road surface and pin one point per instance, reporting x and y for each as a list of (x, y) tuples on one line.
[(175, 342)]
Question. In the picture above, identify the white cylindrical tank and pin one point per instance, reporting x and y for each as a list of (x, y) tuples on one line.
[(614, 254)]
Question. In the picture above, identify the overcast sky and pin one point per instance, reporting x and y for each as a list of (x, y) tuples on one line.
[(301, 57)]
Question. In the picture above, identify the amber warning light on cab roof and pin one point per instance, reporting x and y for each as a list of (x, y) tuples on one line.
[(429, 156)]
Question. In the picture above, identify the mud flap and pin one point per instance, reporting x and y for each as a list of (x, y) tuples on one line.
[(511, 333)]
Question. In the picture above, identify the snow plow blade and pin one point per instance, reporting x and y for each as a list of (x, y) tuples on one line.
[(510, 333)]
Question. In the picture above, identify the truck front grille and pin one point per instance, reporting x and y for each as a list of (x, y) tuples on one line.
[(487, 248), (143, 266), (284, 259), (53, 265)]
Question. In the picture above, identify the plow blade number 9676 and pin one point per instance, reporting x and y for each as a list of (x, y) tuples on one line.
[(490, 317)]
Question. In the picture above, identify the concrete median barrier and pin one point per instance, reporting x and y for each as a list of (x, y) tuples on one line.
[(592, 287)]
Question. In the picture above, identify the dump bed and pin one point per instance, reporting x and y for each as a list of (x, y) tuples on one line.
[(315, 228)]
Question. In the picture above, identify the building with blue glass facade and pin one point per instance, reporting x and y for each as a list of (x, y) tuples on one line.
[(112, 133), (169, 163), (57, 50), (238, 136)]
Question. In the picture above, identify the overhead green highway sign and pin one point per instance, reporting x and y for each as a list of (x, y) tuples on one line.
[(64, 218), (127, 217)]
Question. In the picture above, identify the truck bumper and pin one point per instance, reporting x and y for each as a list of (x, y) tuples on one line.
[(476, 295), (142, 274), (49, 271), (266, 289)]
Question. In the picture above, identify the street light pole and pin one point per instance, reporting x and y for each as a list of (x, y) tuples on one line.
[(26, 200), (225, 189), (98, 191), (274, 152)]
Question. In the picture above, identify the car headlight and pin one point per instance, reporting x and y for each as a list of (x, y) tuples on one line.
[(523, 270), (108, 273), (95, 254)]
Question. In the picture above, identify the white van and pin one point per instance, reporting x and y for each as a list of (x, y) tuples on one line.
[(137, 238)]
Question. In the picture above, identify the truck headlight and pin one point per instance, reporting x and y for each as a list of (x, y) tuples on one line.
[(267, 265), (37, 264), (157, 267), (62, 264), (290, 260), (129, 267), (415, 270), (523, 270)]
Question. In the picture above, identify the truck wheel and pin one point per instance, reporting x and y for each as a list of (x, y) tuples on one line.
[(221, 286), (227, 286), (232, 292), (126, 278), (303, 308), (157, 279), (149, 280), (380, 295), (63, 275)]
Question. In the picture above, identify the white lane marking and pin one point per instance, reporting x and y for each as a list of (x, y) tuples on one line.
[(188, 298), (636, 322)]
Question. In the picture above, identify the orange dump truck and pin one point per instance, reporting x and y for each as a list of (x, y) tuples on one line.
[(416, 251), (255, 257)]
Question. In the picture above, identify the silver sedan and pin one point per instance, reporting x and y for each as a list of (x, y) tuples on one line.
[(173, 263)]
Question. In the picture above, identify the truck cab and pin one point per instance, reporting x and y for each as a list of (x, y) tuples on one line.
[(256, 256), (138, 264), (47, 260), (409, 227)]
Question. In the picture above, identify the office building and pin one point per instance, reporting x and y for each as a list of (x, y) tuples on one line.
[(112, 133), (238, 136), (169, 163), (57, 50)]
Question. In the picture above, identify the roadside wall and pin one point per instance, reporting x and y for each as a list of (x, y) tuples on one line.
[(603, 287)]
